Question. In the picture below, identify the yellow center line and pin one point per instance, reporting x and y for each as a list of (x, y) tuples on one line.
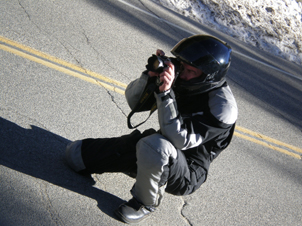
[(265, 144), (61, 69), (61, 62), (118, 87), (269, 139)]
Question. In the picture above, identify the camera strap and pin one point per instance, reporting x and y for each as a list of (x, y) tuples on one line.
[(146, 102)]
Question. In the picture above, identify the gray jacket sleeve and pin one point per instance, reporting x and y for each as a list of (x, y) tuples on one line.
[(135, 89), (189, 133), (170, 123)]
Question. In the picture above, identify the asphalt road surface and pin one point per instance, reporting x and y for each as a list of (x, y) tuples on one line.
[(64, 69)]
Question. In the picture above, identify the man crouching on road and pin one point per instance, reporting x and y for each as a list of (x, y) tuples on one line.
[(197, 115)]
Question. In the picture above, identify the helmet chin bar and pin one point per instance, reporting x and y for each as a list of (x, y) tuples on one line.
[(185, 88)]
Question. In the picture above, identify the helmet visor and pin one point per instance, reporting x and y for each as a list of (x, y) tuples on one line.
[(203, 52)]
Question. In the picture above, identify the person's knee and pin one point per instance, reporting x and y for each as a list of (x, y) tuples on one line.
[(155, 150), (73, 156)]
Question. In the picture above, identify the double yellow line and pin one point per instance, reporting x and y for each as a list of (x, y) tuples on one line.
[(268, 142), (116, 86), (61, 65)]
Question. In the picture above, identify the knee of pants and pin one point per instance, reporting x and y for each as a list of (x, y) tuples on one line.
[(154, 151)]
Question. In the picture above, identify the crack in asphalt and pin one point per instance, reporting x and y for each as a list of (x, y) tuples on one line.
[(48, 34), (27, 14), (101, 57), (115, 103), (55, 216), (88, 42), (182, 213)]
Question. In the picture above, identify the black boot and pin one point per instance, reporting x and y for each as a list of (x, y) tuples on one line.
[(133, 211)]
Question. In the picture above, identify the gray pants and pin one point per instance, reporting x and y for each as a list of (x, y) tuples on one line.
[(155, 162), (153, 154)]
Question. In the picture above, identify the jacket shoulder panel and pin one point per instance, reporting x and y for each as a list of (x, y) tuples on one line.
[(223, 105)]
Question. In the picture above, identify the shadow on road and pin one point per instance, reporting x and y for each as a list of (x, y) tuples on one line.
[(40, 154)]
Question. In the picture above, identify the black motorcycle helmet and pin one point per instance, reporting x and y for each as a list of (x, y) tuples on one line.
[(207, 53)]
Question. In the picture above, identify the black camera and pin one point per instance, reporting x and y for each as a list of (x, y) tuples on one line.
[(157, 63)]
